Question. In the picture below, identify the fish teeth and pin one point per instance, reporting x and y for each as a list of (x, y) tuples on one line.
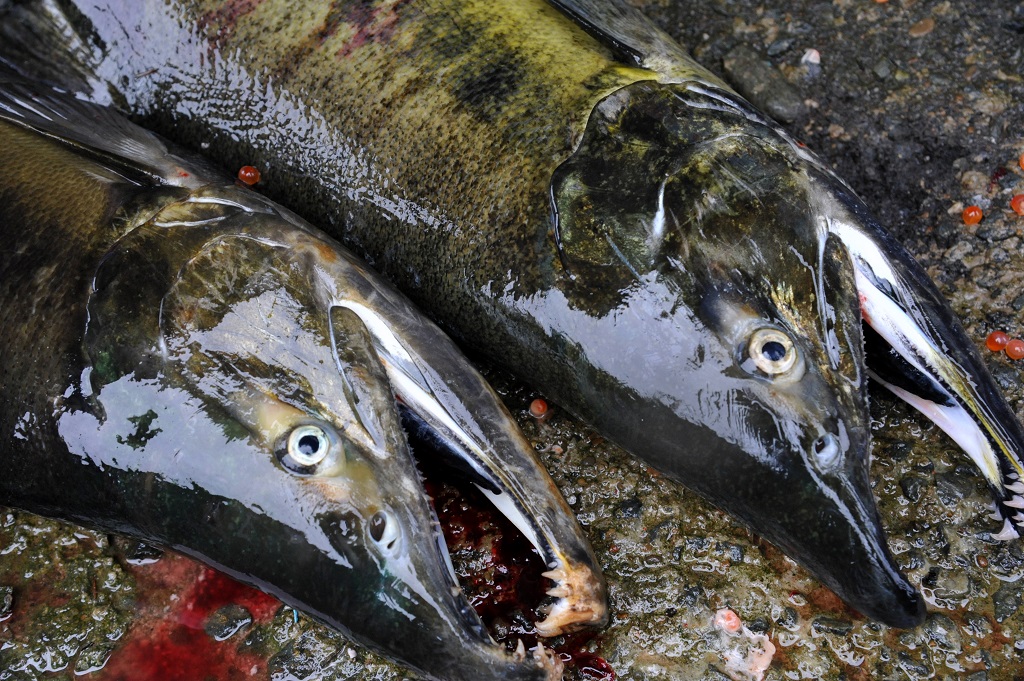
[(1017, 487), (1015, 502), (1007, 533), (558, 591)]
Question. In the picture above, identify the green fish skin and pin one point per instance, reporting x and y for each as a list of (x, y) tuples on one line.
[(568, 193), (189, 363)]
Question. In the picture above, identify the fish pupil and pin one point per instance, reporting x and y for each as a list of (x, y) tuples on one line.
[(377, 524), (309, 445), (773, 351)]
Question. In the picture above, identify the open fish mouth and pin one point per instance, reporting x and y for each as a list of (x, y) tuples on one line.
[(918, 350), (434, 389)]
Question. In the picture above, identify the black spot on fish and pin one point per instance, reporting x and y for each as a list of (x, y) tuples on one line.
[(143, 431), (486, 89)]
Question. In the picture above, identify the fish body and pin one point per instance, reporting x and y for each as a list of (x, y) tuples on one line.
[(566, 191), (191, 364)]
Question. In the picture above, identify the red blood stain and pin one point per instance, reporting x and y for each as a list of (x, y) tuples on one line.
[(500, 572), (170, 644)]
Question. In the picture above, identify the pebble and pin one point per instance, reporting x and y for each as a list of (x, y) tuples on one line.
[(227, 621), (6, 601), (832, 625), (922, 28), (1006, 601), (763, 84)]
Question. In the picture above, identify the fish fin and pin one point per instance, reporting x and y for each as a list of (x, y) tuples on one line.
[(633, 37), (99, 131)]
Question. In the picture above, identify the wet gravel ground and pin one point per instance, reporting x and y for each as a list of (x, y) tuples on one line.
[(920, 106)]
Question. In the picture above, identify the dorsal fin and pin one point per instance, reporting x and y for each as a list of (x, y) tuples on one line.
[(633, 37), (100, 132)]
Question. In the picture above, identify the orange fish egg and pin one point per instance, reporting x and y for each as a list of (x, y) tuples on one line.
[(1017, 204), (1015, 349), (249, 175), (996, 341), (538, 408), (972, 215)]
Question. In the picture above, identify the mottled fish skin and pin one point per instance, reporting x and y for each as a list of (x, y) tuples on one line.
[(582, 202), (189, 363)]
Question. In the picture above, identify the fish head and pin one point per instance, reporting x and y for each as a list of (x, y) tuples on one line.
[(748, 370), (291, 434)]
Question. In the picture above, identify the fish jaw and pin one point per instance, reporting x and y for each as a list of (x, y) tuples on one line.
[(924, 356), (448, 403)]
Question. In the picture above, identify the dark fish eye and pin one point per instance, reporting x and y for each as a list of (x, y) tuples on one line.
[(772, 351), (308, 445), (384, 530), (826, 450)]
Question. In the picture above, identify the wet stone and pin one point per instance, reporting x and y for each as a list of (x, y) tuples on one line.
[(788, 619), (832, 625), (943, 632), (915, 669), (630, 508), (976, 625), (1006, 601), (763, 85), (952, 488), (93, 658), (977, 676), (882, 68), (227, 621), (6, 601), (759, 625), (913, 487)]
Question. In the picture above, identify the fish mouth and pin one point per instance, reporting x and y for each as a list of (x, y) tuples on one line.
[(486, 447), (919, 351)]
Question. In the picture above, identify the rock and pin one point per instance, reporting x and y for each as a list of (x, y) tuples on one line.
[(763, 85), (227, 621)]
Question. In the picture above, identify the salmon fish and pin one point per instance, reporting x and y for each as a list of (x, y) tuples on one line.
[(567, 192), (191, 364)]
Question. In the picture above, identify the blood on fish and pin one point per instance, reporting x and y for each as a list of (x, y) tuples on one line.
[(972, 215), (250, 175), (996, 341)]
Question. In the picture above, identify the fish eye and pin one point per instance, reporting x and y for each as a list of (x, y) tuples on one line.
[(306, 448), (384, 530), (772, 351), (826, 450)]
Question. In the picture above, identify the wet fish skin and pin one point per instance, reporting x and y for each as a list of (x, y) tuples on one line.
[(428, 137), (172, 343)]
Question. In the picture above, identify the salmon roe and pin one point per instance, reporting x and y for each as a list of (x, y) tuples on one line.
[(996, 341), (1015, 349), (972, 215), (1017, 204), (538, 408), (249, 175), (1020, 161)]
